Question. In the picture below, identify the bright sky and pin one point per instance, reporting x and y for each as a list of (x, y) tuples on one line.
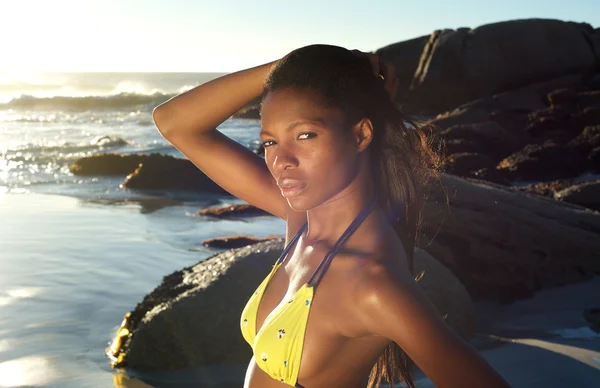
[(230, 35)]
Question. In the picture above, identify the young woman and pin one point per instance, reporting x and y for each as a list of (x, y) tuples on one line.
[(345, 169)]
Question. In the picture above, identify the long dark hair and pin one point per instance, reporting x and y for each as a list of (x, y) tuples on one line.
[(402, 158)]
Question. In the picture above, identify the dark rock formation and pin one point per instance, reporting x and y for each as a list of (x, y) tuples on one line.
[(585, 194), (236, 210), (235, 241), (465, 64), (405, 56), (166, 172), (503, 244), (106, 164)]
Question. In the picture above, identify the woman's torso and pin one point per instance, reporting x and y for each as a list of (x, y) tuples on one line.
[(335, 352)]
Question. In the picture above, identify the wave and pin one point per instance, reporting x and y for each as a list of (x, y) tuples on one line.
[(67, 150), (88, 103)]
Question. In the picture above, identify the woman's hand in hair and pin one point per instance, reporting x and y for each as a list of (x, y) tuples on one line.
[(383, 70)]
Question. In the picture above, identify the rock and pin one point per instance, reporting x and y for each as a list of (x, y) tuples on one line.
[(546, 189), (539, 162), (513, 120), (192, 318), (465, 64), (489, 137), (447, 294), (457, 146), (162, 172), (235, 241), (586, 194), (464, 164), (526, 98), (236, 210), (461, 115), (405, 57), (251, 110), (248, 112), (106, 164), (587, 117), (562, 97), (496, 240)]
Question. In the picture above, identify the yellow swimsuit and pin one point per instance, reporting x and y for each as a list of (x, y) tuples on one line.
[(278, 345)]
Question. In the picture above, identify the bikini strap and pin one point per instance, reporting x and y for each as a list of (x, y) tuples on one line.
[(324, 265), (283, 257)]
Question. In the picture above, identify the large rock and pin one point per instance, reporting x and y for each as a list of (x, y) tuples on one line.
[(551, 160), (242, 210), (106, 164), (405, 56), (586, 194), (192, 318), (503, 244), (462, 65), (163, 172)]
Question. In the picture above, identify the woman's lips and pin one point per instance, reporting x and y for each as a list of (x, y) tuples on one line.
[(292, 191)]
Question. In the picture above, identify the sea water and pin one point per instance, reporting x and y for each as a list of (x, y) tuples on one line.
[(77, 253)]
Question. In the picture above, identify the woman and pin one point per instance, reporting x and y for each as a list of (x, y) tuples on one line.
[(343, 167)]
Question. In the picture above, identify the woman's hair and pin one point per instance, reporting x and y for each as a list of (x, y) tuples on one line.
[(402, 160)]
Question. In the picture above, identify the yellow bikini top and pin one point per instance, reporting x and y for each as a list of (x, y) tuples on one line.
[(278, 345)]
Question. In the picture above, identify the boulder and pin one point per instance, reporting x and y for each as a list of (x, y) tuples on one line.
[(106, 164), (503, 244), (462, 65), (585, 194), (193, 317), (405, 57), (447, 294), (488, 137), (233, 211), (163, 172), (234, 241), (465, 163), (540, 162)]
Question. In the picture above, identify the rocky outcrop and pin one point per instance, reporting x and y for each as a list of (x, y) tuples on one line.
[(508, 138), (106, 164), (585, 194), (235, 241), (503, 244), (405, 56), (162, 172), (233, 211), (193, 317), (461, 65)]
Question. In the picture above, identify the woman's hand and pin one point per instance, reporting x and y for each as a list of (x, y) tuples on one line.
[(384, 70)]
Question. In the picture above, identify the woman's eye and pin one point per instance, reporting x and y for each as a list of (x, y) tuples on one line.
[(267, 143), (306, 135)]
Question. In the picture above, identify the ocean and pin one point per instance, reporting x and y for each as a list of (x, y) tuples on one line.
[(77, 253)]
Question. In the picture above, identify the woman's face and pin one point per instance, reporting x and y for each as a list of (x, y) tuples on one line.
[(307, 149)]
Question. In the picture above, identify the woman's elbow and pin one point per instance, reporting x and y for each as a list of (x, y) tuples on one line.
[(159, 116)]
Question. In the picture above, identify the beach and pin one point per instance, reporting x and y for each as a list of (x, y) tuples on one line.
[(71, 268), (99, 216)]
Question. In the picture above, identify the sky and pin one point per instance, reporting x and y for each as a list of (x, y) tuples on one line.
[(231, 35)]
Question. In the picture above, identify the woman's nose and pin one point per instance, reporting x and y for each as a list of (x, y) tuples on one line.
[(284, 159)]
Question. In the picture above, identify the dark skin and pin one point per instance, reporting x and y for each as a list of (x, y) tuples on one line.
[(368, 297)]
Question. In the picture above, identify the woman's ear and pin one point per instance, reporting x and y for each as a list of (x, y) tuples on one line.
[(363, 133)]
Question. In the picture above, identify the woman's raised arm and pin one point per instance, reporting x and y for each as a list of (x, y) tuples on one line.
[(189, 121)]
